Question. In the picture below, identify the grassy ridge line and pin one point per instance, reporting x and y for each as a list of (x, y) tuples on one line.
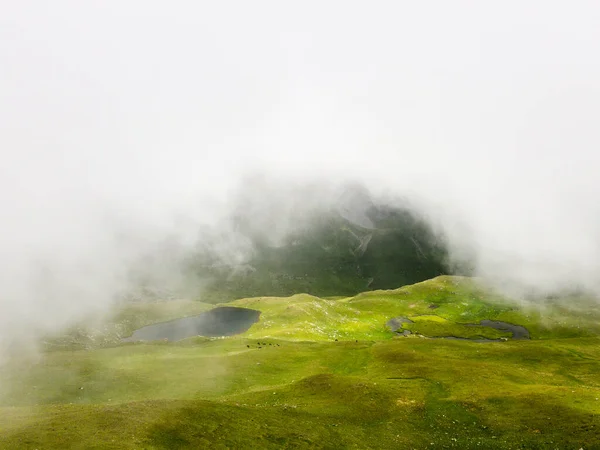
[(457, 300)]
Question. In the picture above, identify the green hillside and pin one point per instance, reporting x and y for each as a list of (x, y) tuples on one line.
[(321, 373), (329, 255)]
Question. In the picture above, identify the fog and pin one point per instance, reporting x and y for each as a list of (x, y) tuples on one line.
[(127, 125)]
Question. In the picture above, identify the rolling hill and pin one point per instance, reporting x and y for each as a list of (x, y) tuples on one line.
[(319, 372)]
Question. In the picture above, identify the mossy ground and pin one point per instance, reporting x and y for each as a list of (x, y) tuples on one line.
[(287, 382)]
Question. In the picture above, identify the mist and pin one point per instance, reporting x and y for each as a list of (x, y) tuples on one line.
[(127, 128)]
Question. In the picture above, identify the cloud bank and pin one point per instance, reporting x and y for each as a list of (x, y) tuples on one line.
[(126, 126)]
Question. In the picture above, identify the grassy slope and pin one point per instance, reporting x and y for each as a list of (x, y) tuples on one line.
[(323, 258), (302, 389), (458, 300)]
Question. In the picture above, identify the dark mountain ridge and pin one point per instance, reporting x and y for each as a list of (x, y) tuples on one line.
[(355, 245)]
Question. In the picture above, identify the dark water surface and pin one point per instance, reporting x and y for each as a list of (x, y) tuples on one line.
[(518, 332), (222, 321)]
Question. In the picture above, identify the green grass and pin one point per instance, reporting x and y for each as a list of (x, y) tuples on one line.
[(304, 389), (435, 326)]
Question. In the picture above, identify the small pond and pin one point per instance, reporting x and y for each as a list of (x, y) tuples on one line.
[(518, 332), (221, 321)]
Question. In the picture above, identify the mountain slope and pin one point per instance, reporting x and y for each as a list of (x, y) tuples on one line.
[(331, 255), (323, 373)]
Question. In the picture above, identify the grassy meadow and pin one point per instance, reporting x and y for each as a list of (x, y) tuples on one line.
[(320, 373)]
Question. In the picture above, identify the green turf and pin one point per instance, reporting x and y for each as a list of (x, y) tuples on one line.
[(287, 382)]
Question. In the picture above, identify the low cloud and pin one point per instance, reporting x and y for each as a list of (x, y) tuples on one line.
[(128, 129)]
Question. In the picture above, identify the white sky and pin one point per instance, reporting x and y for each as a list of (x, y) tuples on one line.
[(128, 114)]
